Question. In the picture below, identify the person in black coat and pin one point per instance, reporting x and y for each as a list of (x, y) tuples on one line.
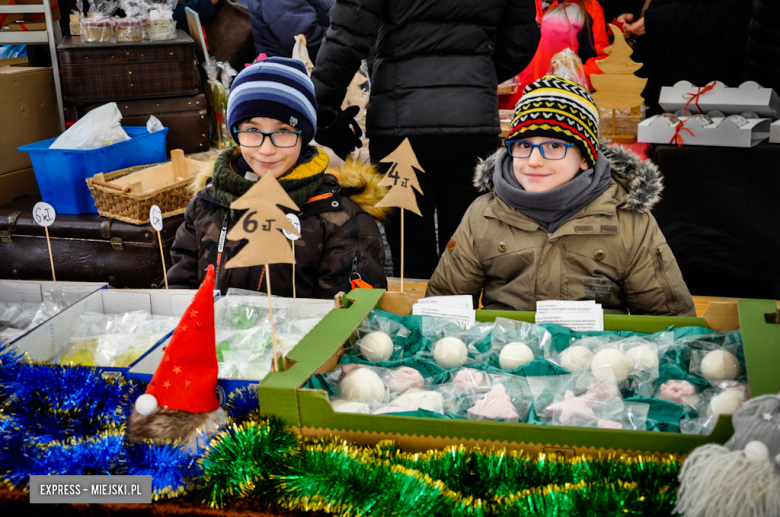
[(762, 64), (275, 23), (434, 80), (693, 40)]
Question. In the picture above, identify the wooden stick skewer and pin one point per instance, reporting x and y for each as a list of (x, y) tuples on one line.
[(292, 245), (162, 256), (402, 250), (271, 315), (51, 259)]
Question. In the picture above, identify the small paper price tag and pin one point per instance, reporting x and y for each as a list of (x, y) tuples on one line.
[(44, 214), (295, 222), (155, 217)]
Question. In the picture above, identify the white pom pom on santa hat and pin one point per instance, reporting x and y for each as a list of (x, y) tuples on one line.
[(146, 404)]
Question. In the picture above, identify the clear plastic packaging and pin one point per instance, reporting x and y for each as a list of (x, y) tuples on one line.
[(568, 65), (161, 26), (516, 343), (96, 30), (508, 400), (591, 401), (452, 345), (414, 399), (128, 30), (545, 390), (380, 339), (217, 95), (17, 318), (116, 340)]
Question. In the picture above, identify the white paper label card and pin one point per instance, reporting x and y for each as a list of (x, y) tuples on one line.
[(44, 214), (464, 301), (295, 222), (581, 316), (459, 315), (155, 217)]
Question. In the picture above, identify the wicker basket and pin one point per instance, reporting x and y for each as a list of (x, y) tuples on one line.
[(133, 208)]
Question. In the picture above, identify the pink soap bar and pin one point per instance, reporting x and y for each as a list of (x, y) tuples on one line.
[(609, 424), (679, 392), (572, 410), (495, 405), (404, 378), (346, 368)]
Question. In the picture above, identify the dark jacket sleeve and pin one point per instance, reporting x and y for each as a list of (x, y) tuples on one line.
[(697, 18), (517, 39), (288, 18), (353, 28), (357, 240), (184, 253)]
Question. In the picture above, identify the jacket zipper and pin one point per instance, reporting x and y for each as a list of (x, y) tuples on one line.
[(354, 258), (666, 278)]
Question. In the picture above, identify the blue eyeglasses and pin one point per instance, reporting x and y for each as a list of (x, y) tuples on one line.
[(549, 150), (255, 138)]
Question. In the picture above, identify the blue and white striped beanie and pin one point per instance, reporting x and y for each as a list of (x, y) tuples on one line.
[(277, 88)]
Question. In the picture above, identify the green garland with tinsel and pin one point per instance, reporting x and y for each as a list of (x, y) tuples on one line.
[(48, 428)]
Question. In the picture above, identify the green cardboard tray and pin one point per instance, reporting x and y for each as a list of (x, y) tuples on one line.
[(310, 412)]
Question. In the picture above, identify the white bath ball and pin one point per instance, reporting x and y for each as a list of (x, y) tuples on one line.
[(720, 365), (346, 406), (450, 352), (576, 358), (756, 451), (515, 355), (362, 384), (376, 347), (644, 357), (612, 360), (725, 403)]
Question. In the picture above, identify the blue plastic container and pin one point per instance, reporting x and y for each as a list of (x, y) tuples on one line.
[(62, 173)]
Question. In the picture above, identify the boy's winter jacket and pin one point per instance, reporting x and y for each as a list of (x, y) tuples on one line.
[(611, 251), (339, 242)]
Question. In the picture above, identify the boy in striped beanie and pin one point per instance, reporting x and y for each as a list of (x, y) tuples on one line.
[(564, 218), (272, 116)]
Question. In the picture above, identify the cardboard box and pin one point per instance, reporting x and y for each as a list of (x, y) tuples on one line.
[(774, 132), (6, 19), (17, 185), (145, 367), (310, 412), (750, 96), (26, 25), (28, 104), (14, 61), (721, 133), (31, 291), (41, 344)]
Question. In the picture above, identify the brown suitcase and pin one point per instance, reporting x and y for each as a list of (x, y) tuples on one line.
[(185, 117), (85, 248), (111, 71)]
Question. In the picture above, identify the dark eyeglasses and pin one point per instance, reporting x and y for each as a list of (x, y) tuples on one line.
[(549, 150), (255, 138)]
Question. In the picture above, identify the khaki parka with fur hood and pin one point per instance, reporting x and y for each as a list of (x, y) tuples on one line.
[(611, 251), (340, 240)]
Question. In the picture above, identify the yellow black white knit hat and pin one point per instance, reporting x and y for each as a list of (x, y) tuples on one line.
[(558, 108)]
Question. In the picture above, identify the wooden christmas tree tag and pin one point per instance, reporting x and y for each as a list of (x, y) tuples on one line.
[(402, 179), (261, 225), (617, 87)]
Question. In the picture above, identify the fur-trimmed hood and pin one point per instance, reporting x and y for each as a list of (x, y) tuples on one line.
[(359, 181), (641, 179)]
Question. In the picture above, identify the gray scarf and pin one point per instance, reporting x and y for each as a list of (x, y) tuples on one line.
[(550, 209)]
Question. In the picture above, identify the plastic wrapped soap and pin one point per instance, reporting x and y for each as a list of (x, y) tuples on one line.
[(611, 359), (726, 403), (495, 405), (576, 358), (403, 378), (414, 399), (644, 357), (362, 384), (720, 365), (376, 347), (515, 355), (679, 392), (346, 406), (450, 352)]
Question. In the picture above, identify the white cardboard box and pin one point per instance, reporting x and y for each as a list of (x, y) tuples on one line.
[(721, 133), (42, 343), (31, 291), (748, 97)]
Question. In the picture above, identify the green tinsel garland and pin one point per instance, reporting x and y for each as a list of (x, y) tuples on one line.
[(262, 460)]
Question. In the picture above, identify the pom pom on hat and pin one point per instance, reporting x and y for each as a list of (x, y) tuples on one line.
[(561, 109), (146, 404), (277, 88)]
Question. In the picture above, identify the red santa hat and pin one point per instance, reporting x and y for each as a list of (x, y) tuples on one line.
[(186, 378)]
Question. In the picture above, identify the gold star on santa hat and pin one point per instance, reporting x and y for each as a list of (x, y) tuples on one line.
[(186, 378)]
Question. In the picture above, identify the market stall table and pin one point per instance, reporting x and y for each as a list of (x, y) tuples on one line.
[(719, 212)]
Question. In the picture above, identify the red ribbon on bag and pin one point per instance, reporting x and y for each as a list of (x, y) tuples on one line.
[(677, 138), (694, 97)]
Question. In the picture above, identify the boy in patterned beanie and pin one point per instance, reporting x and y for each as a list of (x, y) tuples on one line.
[(564, 218), (272, 116)]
